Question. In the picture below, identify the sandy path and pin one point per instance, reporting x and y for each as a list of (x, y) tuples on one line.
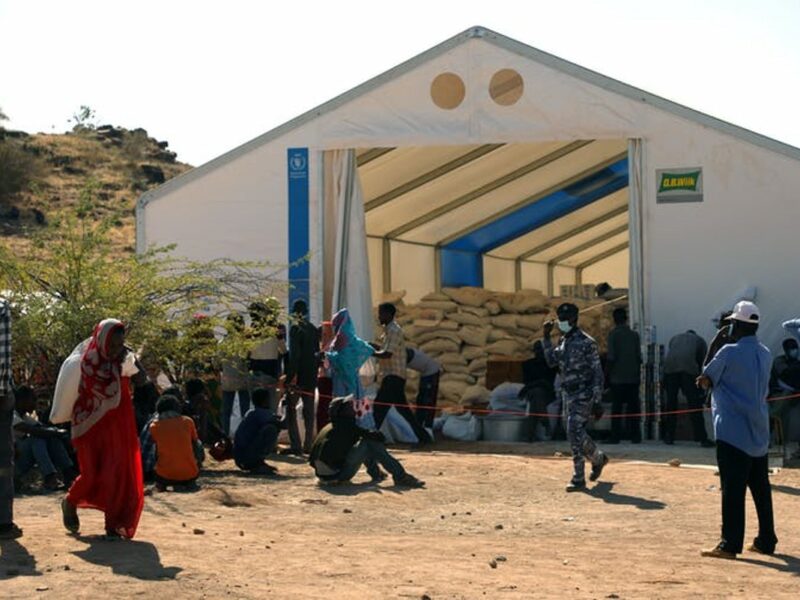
[(635, 535)]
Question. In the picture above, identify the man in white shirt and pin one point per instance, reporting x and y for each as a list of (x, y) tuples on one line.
[(429, 371)]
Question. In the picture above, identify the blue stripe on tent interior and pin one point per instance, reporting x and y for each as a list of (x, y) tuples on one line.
[(297, 172), (462, 259)]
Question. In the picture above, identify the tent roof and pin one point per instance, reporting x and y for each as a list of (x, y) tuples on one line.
[(501, 41)]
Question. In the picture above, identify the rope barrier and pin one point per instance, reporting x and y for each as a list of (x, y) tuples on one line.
[(515, 413)]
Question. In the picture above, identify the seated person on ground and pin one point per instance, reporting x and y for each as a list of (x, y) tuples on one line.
[(257, 435), (36, 444), (146, 445), (342, 447), (179, 453)]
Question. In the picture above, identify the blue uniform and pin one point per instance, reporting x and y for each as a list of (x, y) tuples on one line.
[(581, 376)]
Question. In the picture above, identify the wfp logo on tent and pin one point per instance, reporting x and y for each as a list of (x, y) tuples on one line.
[(298, 163)]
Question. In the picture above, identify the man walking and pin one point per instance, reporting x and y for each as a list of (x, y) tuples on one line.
[(302, 372), (624, 365), (739, 379), (392, 392), (8, 530), (682, 365), (581, 375)]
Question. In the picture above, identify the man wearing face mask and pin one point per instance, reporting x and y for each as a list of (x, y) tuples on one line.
[(785, 379), (739, 379), (581, 376)]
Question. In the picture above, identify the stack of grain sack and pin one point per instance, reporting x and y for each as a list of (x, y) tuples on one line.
[(464, 328)]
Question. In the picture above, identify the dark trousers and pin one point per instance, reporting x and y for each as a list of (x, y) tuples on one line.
[(369, 453), (685, 382), (6, 467), (625, 401), (426, 399), (393, 393), (306, 396), (737, 472)]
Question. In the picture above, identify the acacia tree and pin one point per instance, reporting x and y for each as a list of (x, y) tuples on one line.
[(69, 279)]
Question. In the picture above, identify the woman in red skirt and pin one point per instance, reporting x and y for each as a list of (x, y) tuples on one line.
[(104, 437)]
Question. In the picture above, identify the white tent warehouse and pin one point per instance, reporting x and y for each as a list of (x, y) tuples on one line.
[(486, 162)]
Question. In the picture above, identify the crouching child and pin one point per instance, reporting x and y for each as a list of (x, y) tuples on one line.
[(179, 452), (341, 447)]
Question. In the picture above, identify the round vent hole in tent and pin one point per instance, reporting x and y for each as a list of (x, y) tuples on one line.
[(506, 87), (448, 91)]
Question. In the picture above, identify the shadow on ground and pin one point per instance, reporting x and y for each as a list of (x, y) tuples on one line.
[(603, 490), (16, 561), (788, 564), (126, 557)]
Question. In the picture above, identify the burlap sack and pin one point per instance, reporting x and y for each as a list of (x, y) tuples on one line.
[(533, 322), (395, 297), (478, 365), (493, 307), (426, 324), (466, 318), (475, 336), (432, 334), (430, 314), (504, 348), (449, 325), (473, 352), (495, 335), (452, 390), (455, 369), (452, 358), (505, 321), (440, 346), (446, 306), (435, 297), (524, 301), (475, 394), (460, 377), (478, 311), (468, 296)]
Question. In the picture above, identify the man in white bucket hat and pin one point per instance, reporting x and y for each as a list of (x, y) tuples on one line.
[(739, 379)]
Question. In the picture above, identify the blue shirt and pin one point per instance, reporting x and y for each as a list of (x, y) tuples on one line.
[(740, 376), (250, 428)]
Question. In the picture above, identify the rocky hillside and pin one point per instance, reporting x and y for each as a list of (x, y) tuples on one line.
[(113, 164)]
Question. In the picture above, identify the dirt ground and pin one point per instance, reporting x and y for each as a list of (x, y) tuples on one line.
[(636, 534)]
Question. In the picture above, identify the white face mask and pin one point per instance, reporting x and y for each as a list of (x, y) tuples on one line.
[(564, 326)]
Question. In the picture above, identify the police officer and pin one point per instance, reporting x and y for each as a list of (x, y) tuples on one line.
[(581, 377)]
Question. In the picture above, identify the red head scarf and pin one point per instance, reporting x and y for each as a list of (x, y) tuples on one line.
[(101, 380)]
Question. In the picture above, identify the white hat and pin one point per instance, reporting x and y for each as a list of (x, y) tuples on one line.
[(745, 311)]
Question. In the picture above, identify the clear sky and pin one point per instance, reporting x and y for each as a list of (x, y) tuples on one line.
[(210, 75)]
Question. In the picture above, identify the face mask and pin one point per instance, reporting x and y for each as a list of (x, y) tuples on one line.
[(564, 326), (792, 353)]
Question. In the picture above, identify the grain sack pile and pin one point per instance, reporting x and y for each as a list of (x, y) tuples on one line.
[(464, 328)]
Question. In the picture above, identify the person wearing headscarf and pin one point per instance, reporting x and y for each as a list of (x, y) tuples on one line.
[(104, 437), (346, 354)]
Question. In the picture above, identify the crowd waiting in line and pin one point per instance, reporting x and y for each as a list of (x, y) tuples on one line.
[(121, 435)]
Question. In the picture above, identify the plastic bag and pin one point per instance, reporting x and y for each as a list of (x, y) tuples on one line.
[(69, 379), (466, 427)]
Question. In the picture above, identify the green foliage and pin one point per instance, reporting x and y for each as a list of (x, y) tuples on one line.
[(17, 169), (84, 119), (68, 281)]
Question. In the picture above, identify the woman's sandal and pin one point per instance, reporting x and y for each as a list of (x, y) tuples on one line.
[(69, 515)]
